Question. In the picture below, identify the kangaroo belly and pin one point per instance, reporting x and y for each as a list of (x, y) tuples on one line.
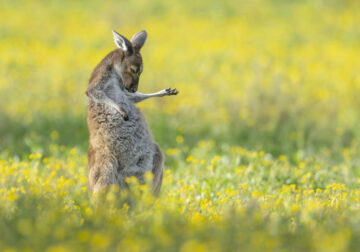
[(129, 142), (134, 146)]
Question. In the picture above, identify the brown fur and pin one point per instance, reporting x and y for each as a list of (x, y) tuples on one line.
[(120, 144), (157, 170)]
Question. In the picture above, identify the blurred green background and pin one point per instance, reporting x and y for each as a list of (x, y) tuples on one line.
[(261, 144), (279, 76)]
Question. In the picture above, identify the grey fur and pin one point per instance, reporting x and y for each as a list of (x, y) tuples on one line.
[(139, 39), (120, 144)]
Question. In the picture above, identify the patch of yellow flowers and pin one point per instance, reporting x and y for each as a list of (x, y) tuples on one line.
[(245, 195), (276, 81)]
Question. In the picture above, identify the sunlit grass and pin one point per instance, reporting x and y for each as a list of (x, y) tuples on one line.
[(261, 144), (236, 199)]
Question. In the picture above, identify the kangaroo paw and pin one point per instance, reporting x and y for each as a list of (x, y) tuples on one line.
[(170, 91)]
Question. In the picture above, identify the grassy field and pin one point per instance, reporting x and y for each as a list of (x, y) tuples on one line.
[(261, 144)]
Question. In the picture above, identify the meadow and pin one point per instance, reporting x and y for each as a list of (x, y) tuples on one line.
[(261, 145)]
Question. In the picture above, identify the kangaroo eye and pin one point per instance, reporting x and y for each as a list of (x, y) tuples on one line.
[(133, 70)]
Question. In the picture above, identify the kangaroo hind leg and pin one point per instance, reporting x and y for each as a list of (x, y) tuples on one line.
[(103, 172), (157, 170)]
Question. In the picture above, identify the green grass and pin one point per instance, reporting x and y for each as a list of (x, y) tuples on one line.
[(261, 145)]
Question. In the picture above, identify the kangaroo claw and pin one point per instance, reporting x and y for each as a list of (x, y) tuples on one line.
[(170, 91)]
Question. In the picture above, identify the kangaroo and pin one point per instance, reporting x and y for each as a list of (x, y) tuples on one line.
[(120, 144)]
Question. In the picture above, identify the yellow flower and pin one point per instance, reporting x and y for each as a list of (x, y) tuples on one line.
[(256, 194), (179, 139), (172, 152), (215, 159)]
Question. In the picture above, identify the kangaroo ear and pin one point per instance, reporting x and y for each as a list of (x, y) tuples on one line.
[(122, 42), (138, 40)]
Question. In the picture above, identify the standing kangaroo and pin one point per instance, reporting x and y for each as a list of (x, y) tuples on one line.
[(120, 144)]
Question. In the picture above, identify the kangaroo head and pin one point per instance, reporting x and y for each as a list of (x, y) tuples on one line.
[(130, 66)]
